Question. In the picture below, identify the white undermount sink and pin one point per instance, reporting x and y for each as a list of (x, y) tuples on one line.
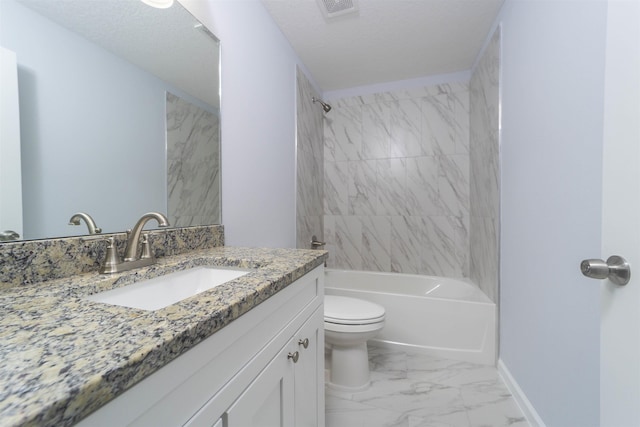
[(165, 290)]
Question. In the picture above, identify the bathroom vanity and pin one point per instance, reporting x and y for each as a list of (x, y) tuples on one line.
[(265, 368), (248, 352)]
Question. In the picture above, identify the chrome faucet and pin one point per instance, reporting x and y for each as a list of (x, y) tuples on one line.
[(131, 253), (91, 224), (113, 263)]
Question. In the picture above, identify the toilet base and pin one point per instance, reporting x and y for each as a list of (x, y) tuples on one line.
[(344, 389), (349, 368)]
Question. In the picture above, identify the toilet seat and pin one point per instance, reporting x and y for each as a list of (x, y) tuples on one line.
[(340, 310)]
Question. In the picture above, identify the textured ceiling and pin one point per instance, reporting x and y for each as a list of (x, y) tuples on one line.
[(387, 40), (161, 41)]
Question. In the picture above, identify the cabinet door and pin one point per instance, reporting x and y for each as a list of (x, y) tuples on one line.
[(268, 401), (309, 372)]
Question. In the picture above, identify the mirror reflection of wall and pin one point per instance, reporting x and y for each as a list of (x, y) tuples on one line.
[(10, 165), (93, 123)]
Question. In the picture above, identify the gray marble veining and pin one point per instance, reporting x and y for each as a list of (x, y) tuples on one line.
[(336, 188), (343, 133), (391, 187), (423, 197), (376, 243), (410, 390), (397, 181), (405, 128), (309, 165), (485, 169), (375, 131), (193, 164), (361, 187)]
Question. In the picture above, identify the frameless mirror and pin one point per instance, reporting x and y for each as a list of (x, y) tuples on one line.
[(118, 114)]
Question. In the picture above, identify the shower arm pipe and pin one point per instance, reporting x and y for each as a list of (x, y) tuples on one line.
[(326, 107)]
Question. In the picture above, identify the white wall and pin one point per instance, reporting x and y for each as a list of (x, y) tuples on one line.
[(484, 169), (10, 166), (81, 165), (258, 123), (552, 123)]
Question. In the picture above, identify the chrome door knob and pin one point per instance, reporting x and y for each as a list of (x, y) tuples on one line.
[(615, 269), (304, 342), (293, 356)]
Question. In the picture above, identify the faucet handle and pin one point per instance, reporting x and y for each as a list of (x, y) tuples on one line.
[(146, 248), (112, 258)]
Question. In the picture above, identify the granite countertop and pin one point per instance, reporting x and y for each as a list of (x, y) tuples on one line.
[(63, 356)]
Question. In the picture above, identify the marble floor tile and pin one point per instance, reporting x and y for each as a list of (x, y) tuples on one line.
[(415, 390), (346, 413)]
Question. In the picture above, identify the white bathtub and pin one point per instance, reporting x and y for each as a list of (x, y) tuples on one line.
[(447, 318)]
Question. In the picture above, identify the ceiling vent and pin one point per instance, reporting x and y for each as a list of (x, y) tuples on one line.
[(334, 8)]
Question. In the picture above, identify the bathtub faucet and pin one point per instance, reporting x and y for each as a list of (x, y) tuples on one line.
[(315, 243)]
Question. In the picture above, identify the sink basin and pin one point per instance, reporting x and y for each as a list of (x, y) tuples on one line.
[(165, 290)]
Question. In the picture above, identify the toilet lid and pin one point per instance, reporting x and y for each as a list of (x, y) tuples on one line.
[(347, 310)]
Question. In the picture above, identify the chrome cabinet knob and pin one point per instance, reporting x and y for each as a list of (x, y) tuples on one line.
[(304, 343), (615, 269), (293, 356)]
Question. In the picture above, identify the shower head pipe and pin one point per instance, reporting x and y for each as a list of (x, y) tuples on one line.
[(326, 107)]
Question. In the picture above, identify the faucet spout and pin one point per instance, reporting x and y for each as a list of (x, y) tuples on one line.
[(91, 224), (131, 253)]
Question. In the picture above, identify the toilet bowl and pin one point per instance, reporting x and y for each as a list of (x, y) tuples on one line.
[(348, 324)]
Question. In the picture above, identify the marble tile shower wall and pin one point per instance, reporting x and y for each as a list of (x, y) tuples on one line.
[(396, 181), (309, 165), (485, 170), (193, 164)]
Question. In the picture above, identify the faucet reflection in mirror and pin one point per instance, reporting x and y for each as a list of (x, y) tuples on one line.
[(129, 70), (8, 236), (91, 224), (113, 263)]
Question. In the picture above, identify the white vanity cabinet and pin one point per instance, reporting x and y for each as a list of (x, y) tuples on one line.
[(255, 371), (280, 395)]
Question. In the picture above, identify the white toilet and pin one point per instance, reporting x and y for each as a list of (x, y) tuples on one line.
[(348, 324)]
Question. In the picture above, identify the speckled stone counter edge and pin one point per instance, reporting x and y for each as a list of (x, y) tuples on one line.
[(34, 261)]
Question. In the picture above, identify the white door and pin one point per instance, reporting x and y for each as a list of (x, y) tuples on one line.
[(620, 321)]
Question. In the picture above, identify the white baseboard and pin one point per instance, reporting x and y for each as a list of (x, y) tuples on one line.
[(521, 399)]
